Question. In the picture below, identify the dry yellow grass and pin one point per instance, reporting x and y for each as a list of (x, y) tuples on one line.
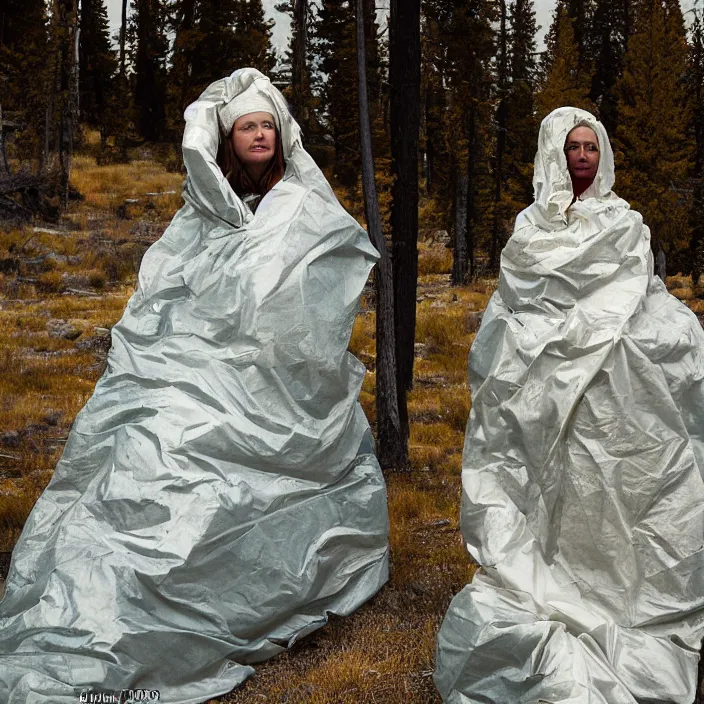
[(107, 187), (433, 259), (385, 651)]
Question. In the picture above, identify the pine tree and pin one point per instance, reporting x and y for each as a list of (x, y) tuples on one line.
[(653, 147), (97, 67), (149, 28), (470, 50), (521, 124), (24, 52), (434, 39), (334, 44), (253, 34), (182, 87), (213, 38), (64, 98), (611, 29), (695, 85), (581, 12), (565, 79), (299, 93)]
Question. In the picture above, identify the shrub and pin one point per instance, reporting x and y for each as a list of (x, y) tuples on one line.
[(50, 282)]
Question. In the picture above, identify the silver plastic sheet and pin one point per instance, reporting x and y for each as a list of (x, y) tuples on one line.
[(218, 496), (583, 496)]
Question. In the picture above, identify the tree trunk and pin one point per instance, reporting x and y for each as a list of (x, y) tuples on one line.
[(182, 59), (404, 79), (392, 448), (123, 33), (459, 254), (501, 118), (471, 200), (3, 154), (67, 36), (300, 76)]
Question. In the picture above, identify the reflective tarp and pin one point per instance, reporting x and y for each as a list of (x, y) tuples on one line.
[(583, 496), (219, 495)]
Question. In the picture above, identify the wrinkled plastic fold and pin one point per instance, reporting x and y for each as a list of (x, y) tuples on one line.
[(583, 493), (218, 496)]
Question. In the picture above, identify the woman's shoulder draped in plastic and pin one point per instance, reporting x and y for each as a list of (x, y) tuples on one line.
[(583, 490), (218, 496)]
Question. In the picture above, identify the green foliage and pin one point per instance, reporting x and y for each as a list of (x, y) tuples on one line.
[(521, 123), (565, 77), (213, 38), (97, 65), (334, 52), (610, 32), (653, 147), (150, 46), (457, 83), (335, 45), (26, 70)]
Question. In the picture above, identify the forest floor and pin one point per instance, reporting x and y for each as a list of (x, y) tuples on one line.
[(62, 287)]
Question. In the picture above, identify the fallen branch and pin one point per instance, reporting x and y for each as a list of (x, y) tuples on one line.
[(81, 292)]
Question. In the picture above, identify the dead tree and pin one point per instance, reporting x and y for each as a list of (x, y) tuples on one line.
[(123, 35), (404, 78), (392, 443), (66, 103)]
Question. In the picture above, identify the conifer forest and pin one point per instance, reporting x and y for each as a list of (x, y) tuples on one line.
[(91, 121)]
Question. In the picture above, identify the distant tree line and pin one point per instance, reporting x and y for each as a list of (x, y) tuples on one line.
[(484, 90)]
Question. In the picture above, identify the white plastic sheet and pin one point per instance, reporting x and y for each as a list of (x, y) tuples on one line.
[(219, 495), (583, 496)]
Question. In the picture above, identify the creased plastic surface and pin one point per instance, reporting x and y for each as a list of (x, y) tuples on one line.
[(219, 495), (583, 496)]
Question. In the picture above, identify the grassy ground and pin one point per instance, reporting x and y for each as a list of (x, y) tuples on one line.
[(61, 291)]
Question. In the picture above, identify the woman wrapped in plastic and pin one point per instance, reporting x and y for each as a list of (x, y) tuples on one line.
[(583, 496), (219, 495)]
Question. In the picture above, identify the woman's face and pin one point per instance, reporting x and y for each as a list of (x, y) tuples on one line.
[(254, 141), (582, 150)]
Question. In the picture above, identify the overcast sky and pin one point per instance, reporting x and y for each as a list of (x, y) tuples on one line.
[(543, 11)]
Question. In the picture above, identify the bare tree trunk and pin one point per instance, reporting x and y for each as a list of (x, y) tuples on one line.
[(183, 54), (392, 444), (67, 45), (123, 33), (459, 254), (3, 154), (404, 79), (471, 200), (501, 115), (300, 76)]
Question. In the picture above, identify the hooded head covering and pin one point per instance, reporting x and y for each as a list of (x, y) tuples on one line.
[(250, 100), (552, 185), (246, 90)]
